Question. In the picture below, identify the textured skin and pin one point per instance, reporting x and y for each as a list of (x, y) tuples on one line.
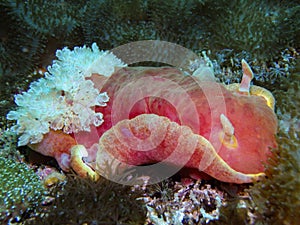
[(166, 141), (254, 122), (179, 106), (56, 144)]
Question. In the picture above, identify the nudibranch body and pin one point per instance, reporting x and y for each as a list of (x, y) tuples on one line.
[(144, 115), (241, 128)]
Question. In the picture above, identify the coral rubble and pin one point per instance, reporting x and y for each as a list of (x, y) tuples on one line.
[(179, 203)]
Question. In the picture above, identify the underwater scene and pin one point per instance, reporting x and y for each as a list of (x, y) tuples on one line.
[(149, 112)]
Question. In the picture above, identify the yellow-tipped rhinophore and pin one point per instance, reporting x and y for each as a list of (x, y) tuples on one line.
[(226, 136), (245, 88)]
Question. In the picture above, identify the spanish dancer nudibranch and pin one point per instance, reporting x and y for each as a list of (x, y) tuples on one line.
[(146, 115)]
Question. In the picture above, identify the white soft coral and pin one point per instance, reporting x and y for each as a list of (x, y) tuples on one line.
[(64, 99)]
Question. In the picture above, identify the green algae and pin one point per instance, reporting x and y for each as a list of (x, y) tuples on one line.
[(21, 190), (277, 197)]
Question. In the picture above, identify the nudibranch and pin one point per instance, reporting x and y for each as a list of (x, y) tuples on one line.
[(147, 115)]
